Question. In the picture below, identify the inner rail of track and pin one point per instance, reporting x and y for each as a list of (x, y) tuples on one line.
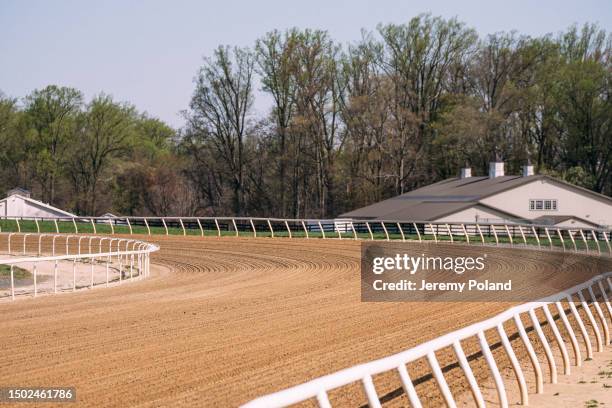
[(129, 256)]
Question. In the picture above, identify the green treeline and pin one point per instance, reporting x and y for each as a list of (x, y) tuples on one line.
[(349, 125)]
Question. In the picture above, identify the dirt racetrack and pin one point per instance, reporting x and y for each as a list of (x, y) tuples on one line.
[(224, 320)]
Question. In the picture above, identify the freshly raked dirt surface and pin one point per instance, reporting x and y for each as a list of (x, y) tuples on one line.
[(225, 320)]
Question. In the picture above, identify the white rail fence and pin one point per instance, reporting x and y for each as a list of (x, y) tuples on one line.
[(589, 296), (592, 297), (70, 259), (594, 240)]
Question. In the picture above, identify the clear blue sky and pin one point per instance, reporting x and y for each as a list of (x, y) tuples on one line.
[(147, 52)]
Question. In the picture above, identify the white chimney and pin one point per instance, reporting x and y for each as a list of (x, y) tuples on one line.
[(466, 172), (496, 168), (528, 169)]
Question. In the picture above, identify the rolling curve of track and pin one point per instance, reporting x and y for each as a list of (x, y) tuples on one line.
[(224, 320)]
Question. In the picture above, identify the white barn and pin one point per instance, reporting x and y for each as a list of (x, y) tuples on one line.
[(19, 203), (538, 199)]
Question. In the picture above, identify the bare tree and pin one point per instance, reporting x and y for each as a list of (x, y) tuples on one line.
[(319, 92), (219, 109), (276, 55), (418, 59)]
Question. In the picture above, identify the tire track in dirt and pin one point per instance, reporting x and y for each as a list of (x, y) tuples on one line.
[(224, 320)]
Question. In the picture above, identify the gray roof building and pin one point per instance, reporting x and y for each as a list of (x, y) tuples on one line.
[(495, 197)]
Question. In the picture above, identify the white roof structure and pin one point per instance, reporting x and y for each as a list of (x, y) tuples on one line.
[(19, 204)]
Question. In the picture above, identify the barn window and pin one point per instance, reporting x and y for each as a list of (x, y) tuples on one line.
[(542, 205)]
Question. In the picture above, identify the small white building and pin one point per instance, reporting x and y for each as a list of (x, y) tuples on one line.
[(19, 203), (528, 197)]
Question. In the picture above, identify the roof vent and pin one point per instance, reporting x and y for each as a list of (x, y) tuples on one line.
[(18, 190), (528, 169), (496, 167)]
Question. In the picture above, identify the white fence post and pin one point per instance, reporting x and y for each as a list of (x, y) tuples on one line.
[(571, 235), (480, 232), (509, 235), (147, 225), (594, 235), (570, 330), (558, 339), (586, 244), (531, 353), (450, 233), (467, 237), (535, 234), (368, 385), (516, 366), (469, 374), (549, 238), (322, 230), (288, 229), (182, 226), (399, 227), (433, 231), (235, 226), (607, 242), (370, 230), (385, 229), (165, 226), (439, 376), (552, 368), (600, 315), (409, 387), (416, 228), (200, 225), (523, 235), (499, 382), (594, 325), (492, 227), (583, 332)]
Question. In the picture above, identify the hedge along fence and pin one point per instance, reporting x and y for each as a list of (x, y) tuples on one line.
[(130, 257), (572, 239)]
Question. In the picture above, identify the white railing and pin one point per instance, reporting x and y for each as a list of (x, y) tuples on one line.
[(127, 258), (583, 295), (584, 240), (595, 240)]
